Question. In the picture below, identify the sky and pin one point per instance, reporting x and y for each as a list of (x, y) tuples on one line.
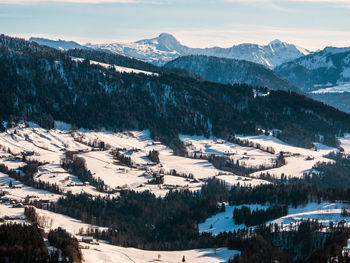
[(312, 24)]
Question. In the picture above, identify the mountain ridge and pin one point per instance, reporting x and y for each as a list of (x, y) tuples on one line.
[(165, 47), (231, 71)]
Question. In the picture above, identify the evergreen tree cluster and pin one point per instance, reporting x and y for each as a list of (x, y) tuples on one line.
[(153, 156), (68, 244), (77, 165), (22, 243), (255, 217)]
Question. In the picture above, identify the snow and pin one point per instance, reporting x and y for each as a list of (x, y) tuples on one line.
[(108, 253), (8, 210), (55, 174), (50, 220), (105, 252), (301, 160), (324, 212), (118, 68), (21, 191), (165, 48), (345, 143), (247, 156), (224, 222), (48, 146), (335, 89)]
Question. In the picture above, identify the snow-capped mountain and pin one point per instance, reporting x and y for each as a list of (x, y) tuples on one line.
[(58, 44), (166, 47), (231, 71), (324, 69), (325, 75)]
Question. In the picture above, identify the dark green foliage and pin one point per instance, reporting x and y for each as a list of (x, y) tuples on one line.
[(122, 158), (22, 243), (153, 156), (144, 221), (68, 244), (77, 165), (256, 217), (231, 71), (333, 174)]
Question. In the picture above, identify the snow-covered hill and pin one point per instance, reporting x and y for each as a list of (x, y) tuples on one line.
[(325, 69), (166, 47), (58, 44), (325, 75)]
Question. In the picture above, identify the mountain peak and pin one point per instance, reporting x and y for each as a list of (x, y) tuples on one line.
[(165, 37), (276, 42)]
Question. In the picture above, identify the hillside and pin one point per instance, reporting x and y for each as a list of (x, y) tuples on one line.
[(111, 191), (44, 84), (231, 71), (327, 68), (325, 75)]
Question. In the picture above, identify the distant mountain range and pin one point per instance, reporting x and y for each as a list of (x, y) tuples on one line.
[(231, 71), (324, 75), (327, 68), (166, 47)]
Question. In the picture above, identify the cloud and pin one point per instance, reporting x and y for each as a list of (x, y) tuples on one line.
[(312, 39)]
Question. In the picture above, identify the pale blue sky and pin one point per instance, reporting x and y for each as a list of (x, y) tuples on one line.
[(312, 24)]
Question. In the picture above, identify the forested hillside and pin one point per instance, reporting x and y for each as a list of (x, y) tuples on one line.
[(43, 84), (231, 71)]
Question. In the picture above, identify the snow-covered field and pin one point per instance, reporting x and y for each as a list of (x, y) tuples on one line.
[(48, 146), (19, 191), (299, 162), (104, 252), (224, 222), (108, 253), (324, 212), (247, 156)]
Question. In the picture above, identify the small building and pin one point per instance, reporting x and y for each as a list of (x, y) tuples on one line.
[(86, 183), (87, 239)]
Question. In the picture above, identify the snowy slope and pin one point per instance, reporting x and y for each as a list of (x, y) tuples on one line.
[(58, 44), (49, 146), (299, 162), (118, 68), (324, 69), (324, 212)]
